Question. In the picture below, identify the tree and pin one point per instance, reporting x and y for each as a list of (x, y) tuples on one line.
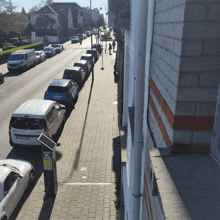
[(43, 21), (23, 11), (3, 3), (10, 7), (46, 2), (20, 22)]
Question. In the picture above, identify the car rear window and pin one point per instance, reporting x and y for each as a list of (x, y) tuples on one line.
[(57, 89), (27, 123), (85, 58), (78, 64), (70, 72)]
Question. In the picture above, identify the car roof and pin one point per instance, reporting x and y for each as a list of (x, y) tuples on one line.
[(60, 82), (74, 68), (48, 47), (35, 108), (87, 55), (81, 61), (22, 51)]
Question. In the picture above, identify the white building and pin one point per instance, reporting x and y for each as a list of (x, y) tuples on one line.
[(170, 89)]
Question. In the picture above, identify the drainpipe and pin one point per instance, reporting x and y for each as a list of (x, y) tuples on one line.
[(149, 37), (142, 8)]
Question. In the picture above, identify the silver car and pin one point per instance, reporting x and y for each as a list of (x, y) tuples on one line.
[(40, 56)]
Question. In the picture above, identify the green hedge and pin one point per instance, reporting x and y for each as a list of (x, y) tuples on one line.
[(4, 55), (22, 47)]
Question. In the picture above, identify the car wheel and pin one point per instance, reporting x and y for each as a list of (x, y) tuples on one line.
[(71, 104), (25, 68), (32, 177), (2, 79), (76, 98)]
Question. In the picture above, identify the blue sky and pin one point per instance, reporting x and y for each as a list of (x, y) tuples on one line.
[(27, 4)]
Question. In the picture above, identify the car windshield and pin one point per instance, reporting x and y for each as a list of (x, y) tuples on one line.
[(57, 89), (37, 53), (78, 64), (74, 37), (71, 72), (27, 123), (55, 45), (16, 57), (47, 49), (85, 58)]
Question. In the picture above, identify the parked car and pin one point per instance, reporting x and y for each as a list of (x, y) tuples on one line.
[(84, 64), (88, 57), (1, 78), (84, 36), (15, 176), (88, 33), (94, 53), (33, 118), (49, 51), (75, 39), (57, 47), (103, 37), (75, 73), (64, 91), (40, 56), (97, 47), (21, 60)]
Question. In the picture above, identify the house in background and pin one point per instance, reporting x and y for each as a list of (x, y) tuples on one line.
[(58, 19)]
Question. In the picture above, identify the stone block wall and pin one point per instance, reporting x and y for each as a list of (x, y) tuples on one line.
[(184, 74)]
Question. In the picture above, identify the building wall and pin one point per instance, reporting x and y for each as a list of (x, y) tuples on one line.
[(181, 90)]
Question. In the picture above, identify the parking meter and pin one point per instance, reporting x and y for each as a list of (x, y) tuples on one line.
[(49, 160)]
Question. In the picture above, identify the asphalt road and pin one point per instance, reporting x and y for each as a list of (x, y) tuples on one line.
[(20, 87)]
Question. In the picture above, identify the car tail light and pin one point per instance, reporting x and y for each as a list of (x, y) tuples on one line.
[(46, 131), (46, 93), (67, 94), (9, 130)]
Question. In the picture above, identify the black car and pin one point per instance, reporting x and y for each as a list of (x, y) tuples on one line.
[(1, 78), (94, 53), (49, 51), (77, 74), (97, 47)]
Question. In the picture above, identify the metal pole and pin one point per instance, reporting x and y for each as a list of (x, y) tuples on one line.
[(91, 39), (102, 57), (91, 20)]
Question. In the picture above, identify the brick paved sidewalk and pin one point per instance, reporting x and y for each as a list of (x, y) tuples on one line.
[(88, 164)]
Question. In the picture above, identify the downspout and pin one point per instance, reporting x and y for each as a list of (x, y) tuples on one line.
[(139, 107), (149, 38)]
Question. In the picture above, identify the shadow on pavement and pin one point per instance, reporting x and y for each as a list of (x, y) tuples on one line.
[(77, 155), (47, 208)]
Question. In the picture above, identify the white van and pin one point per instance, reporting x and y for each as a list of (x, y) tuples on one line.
[(21, 60), (33, 118)]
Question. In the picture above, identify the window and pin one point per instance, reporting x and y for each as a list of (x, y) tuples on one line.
[(9, 181)]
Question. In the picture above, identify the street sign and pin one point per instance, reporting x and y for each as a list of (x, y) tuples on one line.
[(46, 141)]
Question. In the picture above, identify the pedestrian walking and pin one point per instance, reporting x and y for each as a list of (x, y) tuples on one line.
[(113, 44), (110, 48)]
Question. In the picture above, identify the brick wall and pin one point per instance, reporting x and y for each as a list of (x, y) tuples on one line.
[(184, 73)]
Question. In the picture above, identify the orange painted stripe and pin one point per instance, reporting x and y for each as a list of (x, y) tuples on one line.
[(177, 148), (160, 123), (179, 122), (145, 182), (146, 204)]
